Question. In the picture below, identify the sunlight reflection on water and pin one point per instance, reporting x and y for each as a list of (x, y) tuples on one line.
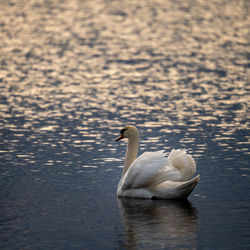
[(74, 72)]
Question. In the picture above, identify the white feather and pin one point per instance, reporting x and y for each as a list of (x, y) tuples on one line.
[(183, 162), (154, 175)]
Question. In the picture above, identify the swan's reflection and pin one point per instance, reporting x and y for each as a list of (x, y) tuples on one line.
[(158, 223)]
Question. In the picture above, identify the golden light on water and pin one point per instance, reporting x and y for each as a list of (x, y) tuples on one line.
[(171, 64), (73, 73)]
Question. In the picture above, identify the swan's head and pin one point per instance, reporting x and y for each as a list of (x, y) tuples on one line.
[(129, 132)]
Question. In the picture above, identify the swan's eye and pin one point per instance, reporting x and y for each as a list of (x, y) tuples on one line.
[(122, 131)]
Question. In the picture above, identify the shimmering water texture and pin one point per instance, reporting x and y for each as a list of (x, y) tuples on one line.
[(73, 73)]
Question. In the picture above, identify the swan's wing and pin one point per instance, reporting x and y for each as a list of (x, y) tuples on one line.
[(183, 162), (149, 169)]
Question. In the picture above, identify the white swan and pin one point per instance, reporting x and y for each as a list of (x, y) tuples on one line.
[(152, 174)]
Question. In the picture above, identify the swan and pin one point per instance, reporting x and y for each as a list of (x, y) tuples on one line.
[(154, 175)]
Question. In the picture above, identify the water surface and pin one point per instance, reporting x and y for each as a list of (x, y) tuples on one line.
[(73, 73)]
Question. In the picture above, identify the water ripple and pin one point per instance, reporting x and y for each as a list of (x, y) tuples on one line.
[(74, 72)]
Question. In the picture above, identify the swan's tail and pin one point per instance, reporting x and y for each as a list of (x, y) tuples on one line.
[(186, 188), (175, 190)]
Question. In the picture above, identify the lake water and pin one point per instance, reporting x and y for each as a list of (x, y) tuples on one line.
[(73, 73)]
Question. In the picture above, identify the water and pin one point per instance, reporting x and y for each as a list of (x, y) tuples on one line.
[(73, 73)]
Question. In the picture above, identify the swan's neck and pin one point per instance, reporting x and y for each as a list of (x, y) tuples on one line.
[(131, 153)]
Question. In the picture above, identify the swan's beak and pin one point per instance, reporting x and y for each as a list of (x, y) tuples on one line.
[(120, 137)]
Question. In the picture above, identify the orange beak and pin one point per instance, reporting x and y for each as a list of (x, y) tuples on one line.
[(120, 137)]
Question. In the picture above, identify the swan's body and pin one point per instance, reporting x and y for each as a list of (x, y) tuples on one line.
[(153, 174)]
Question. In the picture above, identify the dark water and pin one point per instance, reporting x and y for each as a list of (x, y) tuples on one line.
[(73, 73)]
